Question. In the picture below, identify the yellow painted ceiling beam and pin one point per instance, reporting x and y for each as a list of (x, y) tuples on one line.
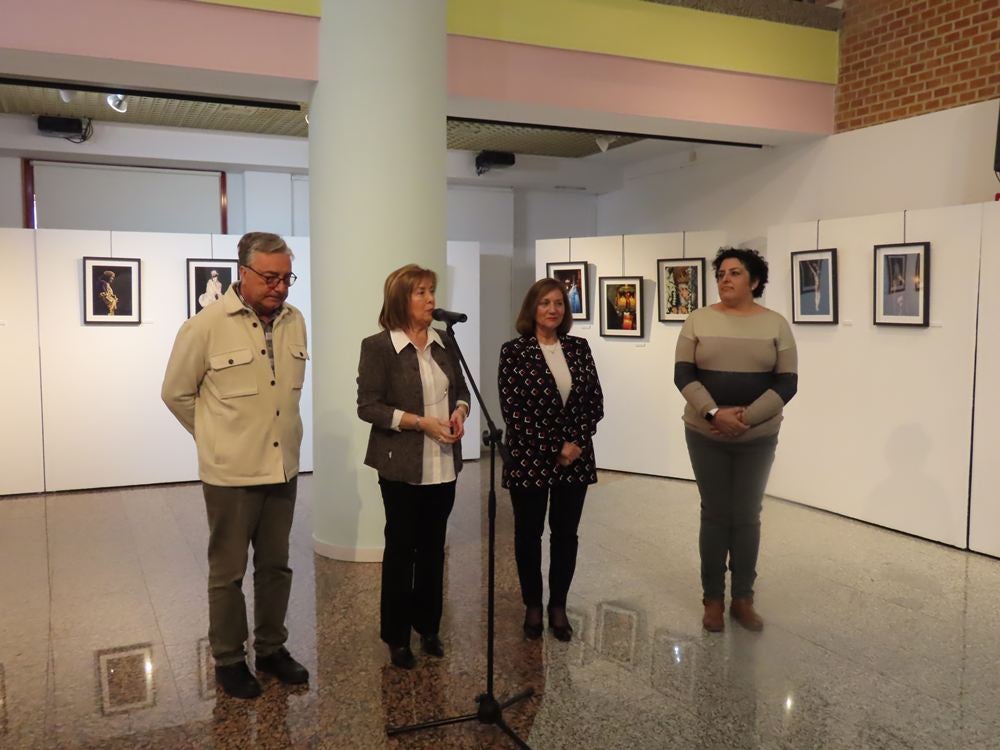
[(634, 28), (651, 31), (297, 7)]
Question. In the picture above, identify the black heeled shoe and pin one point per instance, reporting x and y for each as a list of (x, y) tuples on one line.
[(561, 629), (533, 623), (432, 646), (402, 657)]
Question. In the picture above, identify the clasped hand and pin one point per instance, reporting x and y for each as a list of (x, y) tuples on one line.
[(569, 453), (728, 422), (444, 431)]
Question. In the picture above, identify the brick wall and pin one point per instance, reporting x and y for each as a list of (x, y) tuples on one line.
[(900, 58)]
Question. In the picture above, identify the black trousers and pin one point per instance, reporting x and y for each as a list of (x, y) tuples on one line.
[(566, 507), (416, 521), (731, 479)]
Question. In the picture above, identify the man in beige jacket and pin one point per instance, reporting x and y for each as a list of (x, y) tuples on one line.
[(234, 380)]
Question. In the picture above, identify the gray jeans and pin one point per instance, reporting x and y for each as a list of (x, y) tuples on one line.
[(731, 479), (238, 518)]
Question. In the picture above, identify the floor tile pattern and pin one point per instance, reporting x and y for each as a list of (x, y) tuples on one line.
[(873, 639)]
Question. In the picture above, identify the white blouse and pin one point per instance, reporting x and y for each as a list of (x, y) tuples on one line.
[(556, 361), (438, 460)]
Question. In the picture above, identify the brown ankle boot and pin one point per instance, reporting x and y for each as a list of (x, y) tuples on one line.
[(713, 621), (743, 612)]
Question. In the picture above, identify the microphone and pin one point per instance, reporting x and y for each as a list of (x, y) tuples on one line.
[(449, 317)]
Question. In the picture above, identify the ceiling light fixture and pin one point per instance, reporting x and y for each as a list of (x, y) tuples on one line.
[(118, 102), (604, 141), (66, 95)]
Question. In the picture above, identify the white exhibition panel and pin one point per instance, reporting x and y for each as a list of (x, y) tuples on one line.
[(104, 422), (20, 400), (461, 289), (881, 427), (651, 435), (984, 505)]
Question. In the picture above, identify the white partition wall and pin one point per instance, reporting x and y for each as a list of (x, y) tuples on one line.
[(984, 505), (881, 429), (20, 398), (104, 422), (882, 426), (462, 295)]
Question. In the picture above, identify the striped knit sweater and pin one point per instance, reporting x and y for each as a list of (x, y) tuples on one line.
[(736, 360)]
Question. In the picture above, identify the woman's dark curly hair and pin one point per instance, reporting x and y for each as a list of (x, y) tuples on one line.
[(750, 259)]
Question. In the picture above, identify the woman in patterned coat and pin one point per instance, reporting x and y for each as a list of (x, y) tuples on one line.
[(551, 400)]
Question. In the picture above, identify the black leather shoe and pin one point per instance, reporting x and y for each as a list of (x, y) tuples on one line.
[(431, 645), (236, 681), (533, 623), (402, 657), (281, 665), (561, 628)]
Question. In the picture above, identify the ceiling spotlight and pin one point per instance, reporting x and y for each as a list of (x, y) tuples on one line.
[(604, 141), (307, 118), (66, 96), (118, 102)]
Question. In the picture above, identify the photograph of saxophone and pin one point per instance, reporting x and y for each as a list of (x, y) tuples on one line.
[(111, 291)]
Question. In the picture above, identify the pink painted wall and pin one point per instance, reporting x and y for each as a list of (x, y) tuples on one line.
[(166, 32), (207, 37), (579, 80)]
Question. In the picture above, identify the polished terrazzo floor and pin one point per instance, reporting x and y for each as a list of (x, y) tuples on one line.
[(873, 639)]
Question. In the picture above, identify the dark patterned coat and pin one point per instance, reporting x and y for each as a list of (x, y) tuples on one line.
[(537, 421)]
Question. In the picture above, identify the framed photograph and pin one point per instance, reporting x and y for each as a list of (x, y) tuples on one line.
[(126, 678), (814, 286), (617, 631), (207, 281), (902, 284), (111, 291), (680, 287), (574, 277), (621, 306)]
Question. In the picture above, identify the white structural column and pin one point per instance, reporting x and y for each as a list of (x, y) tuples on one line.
[(377, 198)]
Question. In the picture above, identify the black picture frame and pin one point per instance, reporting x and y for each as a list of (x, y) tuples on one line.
[(574, 276), (678, 294), (112, 291), (622, 306), (901, 286), (199, 274), (815, 287)]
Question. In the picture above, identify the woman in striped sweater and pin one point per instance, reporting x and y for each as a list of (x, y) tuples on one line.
[(736, 367)]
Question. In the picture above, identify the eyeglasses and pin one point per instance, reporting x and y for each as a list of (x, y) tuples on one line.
[(272, 279)]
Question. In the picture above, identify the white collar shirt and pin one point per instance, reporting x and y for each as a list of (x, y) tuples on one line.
[(438, 459)]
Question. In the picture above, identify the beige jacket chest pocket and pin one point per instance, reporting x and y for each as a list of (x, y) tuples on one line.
[(232, 373), (298, 359)]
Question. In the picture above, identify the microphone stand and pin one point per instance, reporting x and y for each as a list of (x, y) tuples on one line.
[(490, 710)]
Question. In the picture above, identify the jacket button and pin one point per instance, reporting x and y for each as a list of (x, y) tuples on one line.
[(275, 443), (272, 382), (263, 351), (254, 325), (278, 413), (230, 361)]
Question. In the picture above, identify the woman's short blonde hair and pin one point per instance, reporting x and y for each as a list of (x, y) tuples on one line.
[(396, 293)]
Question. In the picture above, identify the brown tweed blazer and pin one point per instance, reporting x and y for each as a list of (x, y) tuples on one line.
[(389, 381)]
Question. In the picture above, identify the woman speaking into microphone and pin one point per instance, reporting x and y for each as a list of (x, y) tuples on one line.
[(411, 391)]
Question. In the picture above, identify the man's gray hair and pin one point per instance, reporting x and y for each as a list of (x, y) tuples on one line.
[(261, 242)]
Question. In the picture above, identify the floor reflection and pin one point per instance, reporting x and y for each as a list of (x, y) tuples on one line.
[(873, 640)]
